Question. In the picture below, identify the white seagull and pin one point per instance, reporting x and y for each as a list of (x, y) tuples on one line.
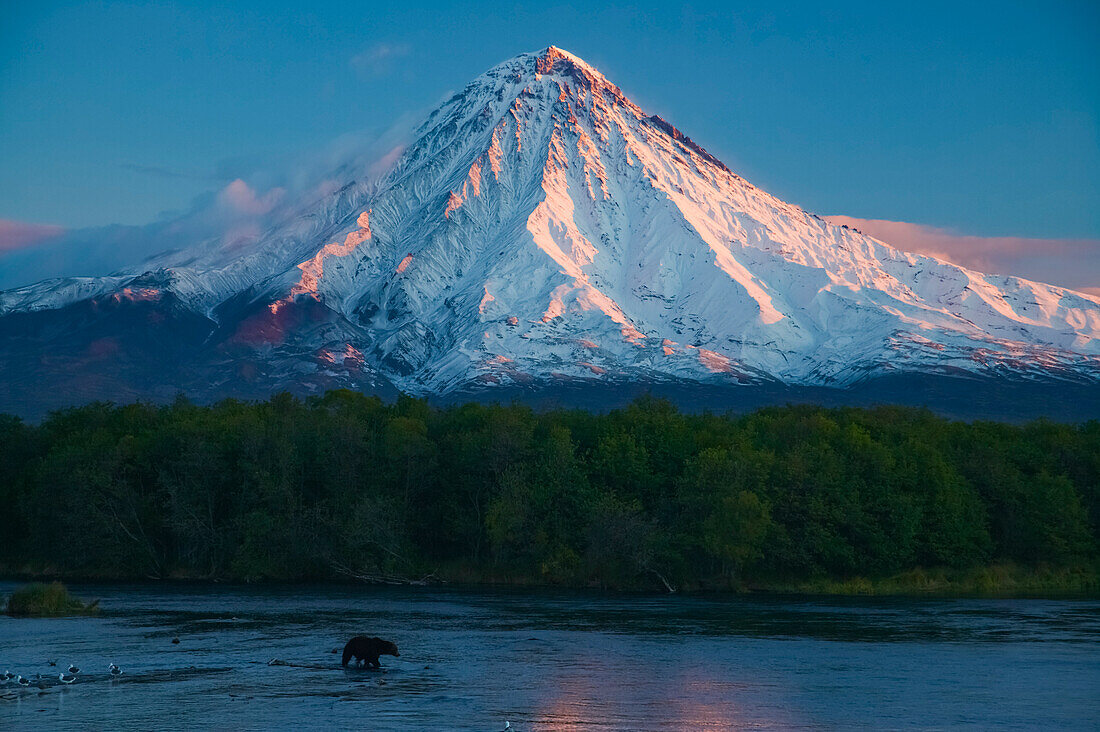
[(73, 669), (66, 678), (114, 670)]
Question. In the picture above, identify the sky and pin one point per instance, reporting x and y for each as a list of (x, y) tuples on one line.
[(970, 128)]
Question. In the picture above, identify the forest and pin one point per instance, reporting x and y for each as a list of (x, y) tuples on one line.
[(347, 487)]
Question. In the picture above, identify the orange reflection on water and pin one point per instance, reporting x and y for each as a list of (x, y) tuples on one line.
[(650, 698)]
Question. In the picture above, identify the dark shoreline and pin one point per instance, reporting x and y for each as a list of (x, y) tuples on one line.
[(1017, 583)]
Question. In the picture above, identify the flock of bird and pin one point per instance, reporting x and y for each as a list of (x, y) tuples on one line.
[(68, 676), (71, 674)]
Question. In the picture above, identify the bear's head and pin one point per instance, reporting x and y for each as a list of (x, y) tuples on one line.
[(389, 649)]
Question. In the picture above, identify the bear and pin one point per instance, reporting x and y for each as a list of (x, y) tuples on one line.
[(367, 650)]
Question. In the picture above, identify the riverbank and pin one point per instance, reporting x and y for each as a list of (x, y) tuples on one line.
[(1004, 580), (996, 581)]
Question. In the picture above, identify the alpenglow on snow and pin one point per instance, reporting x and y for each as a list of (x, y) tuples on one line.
[(540, 228)]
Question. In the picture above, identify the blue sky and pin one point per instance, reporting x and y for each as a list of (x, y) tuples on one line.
[(981, 119)]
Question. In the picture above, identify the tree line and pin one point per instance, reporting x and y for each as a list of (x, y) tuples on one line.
[(345, 485)]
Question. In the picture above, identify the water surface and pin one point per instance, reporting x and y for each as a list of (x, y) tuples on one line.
[(552, 661)]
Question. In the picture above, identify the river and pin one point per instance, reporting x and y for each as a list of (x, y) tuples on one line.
[(542, 660)]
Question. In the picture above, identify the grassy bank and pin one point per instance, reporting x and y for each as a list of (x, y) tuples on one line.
[(996, 581), (1002, 580), (39, 600)]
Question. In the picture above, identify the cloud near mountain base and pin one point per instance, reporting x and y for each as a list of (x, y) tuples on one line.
[(1072, 263), (19, 234)]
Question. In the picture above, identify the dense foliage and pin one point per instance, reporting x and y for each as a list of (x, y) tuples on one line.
[(347, 485)]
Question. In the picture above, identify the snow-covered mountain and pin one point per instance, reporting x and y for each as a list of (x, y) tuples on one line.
[(542, 228)]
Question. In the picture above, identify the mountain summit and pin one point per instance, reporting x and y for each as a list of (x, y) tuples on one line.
[(541, 228)]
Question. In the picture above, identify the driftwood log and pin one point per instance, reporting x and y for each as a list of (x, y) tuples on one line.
[(384, 578)]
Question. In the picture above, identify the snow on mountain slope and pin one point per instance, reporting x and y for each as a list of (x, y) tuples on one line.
[(542, 226)]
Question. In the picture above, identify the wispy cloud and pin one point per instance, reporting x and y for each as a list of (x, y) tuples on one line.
[(156, 171), (19, 234), (378, 59), (1072, 263), (253, 196)]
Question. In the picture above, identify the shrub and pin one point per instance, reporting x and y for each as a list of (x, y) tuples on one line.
[(39, 600)]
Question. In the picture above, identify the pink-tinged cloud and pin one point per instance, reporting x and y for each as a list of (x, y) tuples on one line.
[(1072, 263), (239, 197), (20, 234)]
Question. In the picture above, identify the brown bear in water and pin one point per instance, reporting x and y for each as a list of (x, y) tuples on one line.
[(367, 650)]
